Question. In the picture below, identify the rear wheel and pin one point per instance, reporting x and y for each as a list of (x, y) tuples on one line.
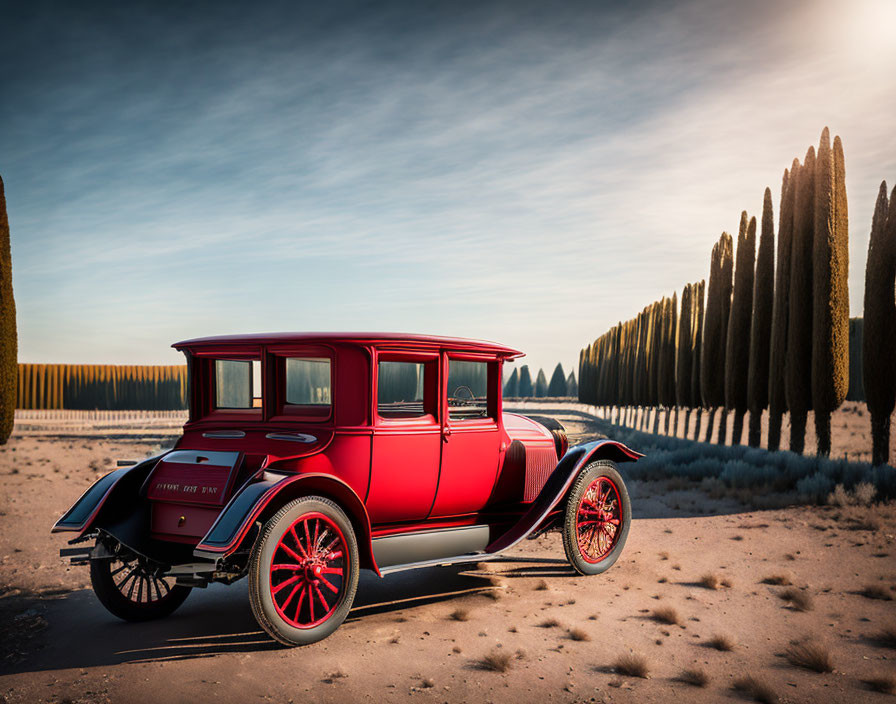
[(597, 519), (303, 572), (133, 589)]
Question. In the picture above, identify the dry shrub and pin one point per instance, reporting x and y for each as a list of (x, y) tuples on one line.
[(460, 615), (876, 591), (662, 580), (885, 684), (495, 661), (779, 580), (810, 655), (694, 676), (756, 689), (720, 642), (427, 683), (665, 614), (709, 581), (549, 623), (542, 586), (664, 556), (799, 600), (577, 634), (726, 583), (631, 665)]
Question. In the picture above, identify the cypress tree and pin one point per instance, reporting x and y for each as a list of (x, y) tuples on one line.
[(684, 350), (830, 321), (777, 400), (557, 387), (737, 348), (572, 388), (761, 322), (8, 333), (525, 382), (879, 333), (512, 387), (715, 327), (798, 365), (541, 384), (697, 296), (856, 389)]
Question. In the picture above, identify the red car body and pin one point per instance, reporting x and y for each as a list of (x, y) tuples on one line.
[(404, 434)]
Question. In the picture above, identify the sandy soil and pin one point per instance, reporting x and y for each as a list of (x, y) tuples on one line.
[(403, 640)]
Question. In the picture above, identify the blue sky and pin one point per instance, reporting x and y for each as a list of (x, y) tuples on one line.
[(525, 172)]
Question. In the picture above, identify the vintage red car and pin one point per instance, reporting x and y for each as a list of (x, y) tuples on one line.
[(307, 457)]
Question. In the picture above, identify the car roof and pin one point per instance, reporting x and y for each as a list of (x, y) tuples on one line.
[(364, 338)]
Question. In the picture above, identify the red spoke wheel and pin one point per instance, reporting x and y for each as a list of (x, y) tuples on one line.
[(303, 573), (597, 518), (132, 589)]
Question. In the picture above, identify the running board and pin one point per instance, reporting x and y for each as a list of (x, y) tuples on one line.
[(445, 562)]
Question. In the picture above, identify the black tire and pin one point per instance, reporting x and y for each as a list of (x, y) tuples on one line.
[(576, 554), (272, 616), (131, 590)]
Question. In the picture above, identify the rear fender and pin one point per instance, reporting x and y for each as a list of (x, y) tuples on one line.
[(558, 484), (261, 498), (117, 491)]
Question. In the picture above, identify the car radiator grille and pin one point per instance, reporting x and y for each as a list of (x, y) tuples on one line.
[(540, 462)]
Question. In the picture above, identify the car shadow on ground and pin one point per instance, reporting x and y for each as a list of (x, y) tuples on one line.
[(80, 633)]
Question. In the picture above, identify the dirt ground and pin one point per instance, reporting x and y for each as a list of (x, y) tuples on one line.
[(422, 635)]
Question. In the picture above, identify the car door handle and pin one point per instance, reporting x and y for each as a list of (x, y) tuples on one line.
[(445, 433)]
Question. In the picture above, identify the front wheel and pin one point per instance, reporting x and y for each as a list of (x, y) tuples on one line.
[(133, 589), (303, 572), (597, 518)]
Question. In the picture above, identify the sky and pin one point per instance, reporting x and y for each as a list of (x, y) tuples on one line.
[(525, 172)]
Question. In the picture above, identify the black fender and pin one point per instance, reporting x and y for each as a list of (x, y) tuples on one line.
[(557, 486), (268, 491), (120, 483)]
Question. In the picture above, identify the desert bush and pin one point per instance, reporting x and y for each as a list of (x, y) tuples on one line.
[(577, 634), (709, 581), (778, 580), (631, 665), (694, 676), (667, 615), (460, 615), (495, 661), (799, 600), (756, 689), (721, 642), (810, 655)]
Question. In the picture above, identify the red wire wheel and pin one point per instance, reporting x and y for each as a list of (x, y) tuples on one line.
[(132, 589), (597, 518), (303, 572), (308, 571)]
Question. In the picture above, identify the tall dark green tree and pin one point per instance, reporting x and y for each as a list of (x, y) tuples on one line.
[(557, 386), (761, 322), (512, 387), (777, 399), (526, 388), (879, 333), (737, 349), (8, 334), (798, 368), (572, 388), (697, 296), (830, 274), (541, 385), (715, 327)]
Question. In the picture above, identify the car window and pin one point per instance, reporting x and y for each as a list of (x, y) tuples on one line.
[(400, 388), (237, 383), (467, 390), (308, 381)]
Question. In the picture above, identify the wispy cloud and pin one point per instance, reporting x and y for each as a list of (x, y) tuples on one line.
[(511, 171)]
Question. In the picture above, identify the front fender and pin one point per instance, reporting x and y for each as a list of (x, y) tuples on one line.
[(120, 482), (555, 488), (258, 500)]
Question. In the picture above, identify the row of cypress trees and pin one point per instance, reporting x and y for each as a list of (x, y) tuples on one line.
[(101, 386), (769, 337), (519, 384)]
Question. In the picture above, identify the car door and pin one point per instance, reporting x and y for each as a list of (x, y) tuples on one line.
[(471, 436), (404, 471)]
